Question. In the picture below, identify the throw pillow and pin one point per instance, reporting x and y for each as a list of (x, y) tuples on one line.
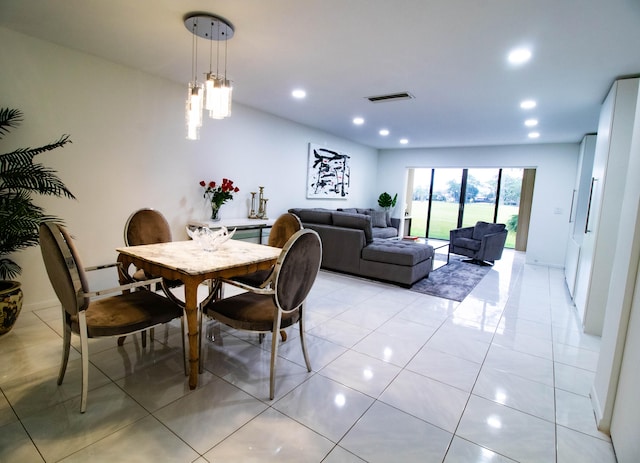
[(379, 219)]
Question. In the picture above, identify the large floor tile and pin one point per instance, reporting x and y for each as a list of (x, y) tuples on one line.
[(575, 412), (516, 392), (7, 414), (391, 349), (361, 372), (208, 415), (403, 437), (327, 407), (521, 342), (463, 342), (340, 455), (272, 437), (147, 439), (506, 431), (15, 445), (432, 401), (160, 384), (463, 451), (321, 352), (40, 390), (573, 379), (574, 446), (248, 366), (61, 430), (446, 368), (575, 356), (340, 332), (521, 364)]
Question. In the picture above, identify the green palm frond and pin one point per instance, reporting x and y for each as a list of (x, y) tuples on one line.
[(20, 178), (9, 119)]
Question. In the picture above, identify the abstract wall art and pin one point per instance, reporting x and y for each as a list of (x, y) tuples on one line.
[(328, 173)]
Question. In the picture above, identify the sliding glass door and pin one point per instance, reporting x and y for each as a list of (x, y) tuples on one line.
[(444, 199)]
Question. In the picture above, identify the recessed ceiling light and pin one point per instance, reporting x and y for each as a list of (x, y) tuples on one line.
[(531, 122), (528, 104), (404, 141), (384, 132), (299, 93), (519, 56), (534, 135), (358, 120)]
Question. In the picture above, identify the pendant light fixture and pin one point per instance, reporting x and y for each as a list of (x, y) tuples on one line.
[(215, 94)]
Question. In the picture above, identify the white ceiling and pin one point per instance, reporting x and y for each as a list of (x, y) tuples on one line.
[(450, 54)]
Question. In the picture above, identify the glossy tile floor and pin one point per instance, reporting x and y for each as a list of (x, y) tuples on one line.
[(397, 377)]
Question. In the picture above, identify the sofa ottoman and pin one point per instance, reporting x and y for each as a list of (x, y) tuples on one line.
[(399, 261)]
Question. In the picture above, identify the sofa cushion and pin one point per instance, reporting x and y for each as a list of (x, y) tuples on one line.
[(358, 221), (378, 219), (315, 216), (350, 210), (468, 243), (485, 228), (397, 252), (386, 232)]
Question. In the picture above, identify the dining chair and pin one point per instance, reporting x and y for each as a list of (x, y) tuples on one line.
[(283, 228), (148, 226), (89, 316), (280, 303)]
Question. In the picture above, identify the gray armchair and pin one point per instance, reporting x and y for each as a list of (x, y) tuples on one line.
[(483, 243)]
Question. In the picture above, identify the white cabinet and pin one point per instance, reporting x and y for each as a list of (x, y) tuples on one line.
[(578, 213), (611, 161)]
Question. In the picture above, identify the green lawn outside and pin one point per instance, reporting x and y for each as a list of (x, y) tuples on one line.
[(444, 217)]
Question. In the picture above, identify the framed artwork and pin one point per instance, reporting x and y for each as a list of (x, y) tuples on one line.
[(328, 173)]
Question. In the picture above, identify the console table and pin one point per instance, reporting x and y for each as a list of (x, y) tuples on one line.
[(240, 224)]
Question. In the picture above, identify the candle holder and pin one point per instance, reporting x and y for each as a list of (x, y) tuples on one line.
[(252, 212)]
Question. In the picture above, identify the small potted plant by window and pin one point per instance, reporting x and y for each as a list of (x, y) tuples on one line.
[(20, 218), (386, 202)]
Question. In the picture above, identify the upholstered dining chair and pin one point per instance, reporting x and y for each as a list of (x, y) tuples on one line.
[(149, 226), (283, 228), (86, 315), (280, 303)]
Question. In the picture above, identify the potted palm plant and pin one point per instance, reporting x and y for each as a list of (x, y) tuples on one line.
[(20, 218)]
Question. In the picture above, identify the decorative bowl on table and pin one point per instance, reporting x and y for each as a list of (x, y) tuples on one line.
[(208, 239)]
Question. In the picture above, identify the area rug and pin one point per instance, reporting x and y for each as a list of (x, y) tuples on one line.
[(453, 281)]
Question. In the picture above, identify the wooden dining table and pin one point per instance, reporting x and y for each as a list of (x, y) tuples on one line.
[(188, 262)]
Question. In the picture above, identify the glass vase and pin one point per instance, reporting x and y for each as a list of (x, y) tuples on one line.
[(215, 213)]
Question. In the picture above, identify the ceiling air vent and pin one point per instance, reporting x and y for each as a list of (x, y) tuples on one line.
[(390, 97)]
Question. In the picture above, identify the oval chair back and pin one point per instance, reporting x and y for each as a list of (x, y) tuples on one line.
[(146, 226), (283, 228), (64, 268), (296, 269)]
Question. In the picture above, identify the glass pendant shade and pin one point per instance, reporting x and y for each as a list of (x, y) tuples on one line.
[(218, 98), (194, 110)]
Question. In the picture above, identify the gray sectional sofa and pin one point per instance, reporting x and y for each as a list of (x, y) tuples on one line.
[(351, 244)]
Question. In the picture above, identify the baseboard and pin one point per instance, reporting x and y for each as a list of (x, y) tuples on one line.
[(602, 425)]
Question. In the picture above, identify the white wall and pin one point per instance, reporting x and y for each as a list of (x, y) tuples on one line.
[(555, 166), (129, 150)]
